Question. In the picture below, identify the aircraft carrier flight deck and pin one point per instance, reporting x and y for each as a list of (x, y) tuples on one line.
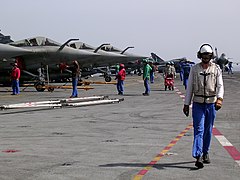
[(140, 137)]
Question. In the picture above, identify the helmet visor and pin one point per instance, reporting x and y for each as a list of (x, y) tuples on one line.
[(206, 56)]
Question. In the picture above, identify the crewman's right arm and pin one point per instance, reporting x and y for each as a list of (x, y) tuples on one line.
[(189, 94)]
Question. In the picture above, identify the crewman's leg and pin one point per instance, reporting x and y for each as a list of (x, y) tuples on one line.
[(74, 85), (185, 82), (181, 75), (121, 86), (17, 87), (208, 125), (118, 86), (198, 125), (152, 77), (147, 86), (14, 90)]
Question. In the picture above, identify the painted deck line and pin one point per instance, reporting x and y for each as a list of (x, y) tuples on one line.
[(232, 151), (157, 158)]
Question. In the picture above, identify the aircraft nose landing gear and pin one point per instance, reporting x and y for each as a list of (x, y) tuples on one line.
[(40, 86), (108, 78)]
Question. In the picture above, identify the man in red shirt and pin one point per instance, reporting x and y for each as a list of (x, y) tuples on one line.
[(15, 75), (120, 79)]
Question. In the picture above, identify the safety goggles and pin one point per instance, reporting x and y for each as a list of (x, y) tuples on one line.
[(206, 56)]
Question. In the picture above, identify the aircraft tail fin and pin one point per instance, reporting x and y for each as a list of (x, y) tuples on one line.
[(5, 39), (156, 58)]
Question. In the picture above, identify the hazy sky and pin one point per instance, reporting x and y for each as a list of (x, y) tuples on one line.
[(170, 28)]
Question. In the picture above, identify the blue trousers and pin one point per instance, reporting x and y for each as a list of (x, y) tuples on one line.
[(74, 86), (15, 87), (181, 75), (120, 86), (185, 82), (147, 86), (203, 119), (152, 77)]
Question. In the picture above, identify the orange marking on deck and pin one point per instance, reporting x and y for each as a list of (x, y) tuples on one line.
[(150, 165)]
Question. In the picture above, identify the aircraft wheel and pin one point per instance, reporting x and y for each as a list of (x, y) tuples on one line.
[(50, 89), (108, 78), (39, 86), (87, 83), (80, 83)]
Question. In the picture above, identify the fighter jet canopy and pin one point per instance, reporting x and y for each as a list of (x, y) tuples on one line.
[(110, 48), (36, 41), (81, 45)]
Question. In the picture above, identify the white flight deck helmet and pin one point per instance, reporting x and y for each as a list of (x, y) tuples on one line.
[(205, 49)]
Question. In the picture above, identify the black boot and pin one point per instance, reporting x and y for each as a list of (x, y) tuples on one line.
[(199, 163), (206, 158)]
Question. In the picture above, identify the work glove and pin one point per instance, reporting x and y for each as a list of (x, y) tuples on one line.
[(218, 104), (186, 110)]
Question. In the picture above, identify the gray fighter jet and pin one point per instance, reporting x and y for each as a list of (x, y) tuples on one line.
[(8, 51), (47, 52), (109, 56), (105, 58), (35, 53), (162, 63), (7, 54), (222, 61)]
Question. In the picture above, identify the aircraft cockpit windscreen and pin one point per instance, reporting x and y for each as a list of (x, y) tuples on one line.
[(37, 41), (81, 45), (110, 48), (49, 42), (21, 43)]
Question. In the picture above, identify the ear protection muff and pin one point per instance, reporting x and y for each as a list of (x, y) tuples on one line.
[(199, 54)]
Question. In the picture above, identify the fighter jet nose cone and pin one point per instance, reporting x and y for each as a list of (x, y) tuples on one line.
[(8, 51)]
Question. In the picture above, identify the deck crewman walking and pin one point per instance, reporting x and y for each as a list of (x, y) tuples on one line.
[(205, 86)]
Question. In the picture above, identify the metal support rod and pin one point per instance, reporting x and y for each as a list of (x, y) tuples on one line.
[(74, 102)]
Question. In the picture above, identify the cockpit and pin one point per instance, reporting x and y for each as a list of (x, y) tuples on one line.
[(110, 48), (81, 45), (37, 41)]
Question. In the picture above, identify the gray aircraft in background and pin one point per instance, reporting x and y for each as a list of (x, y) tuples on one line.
[(32, 54), (222, 61), (162, 63), (109, 55)]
